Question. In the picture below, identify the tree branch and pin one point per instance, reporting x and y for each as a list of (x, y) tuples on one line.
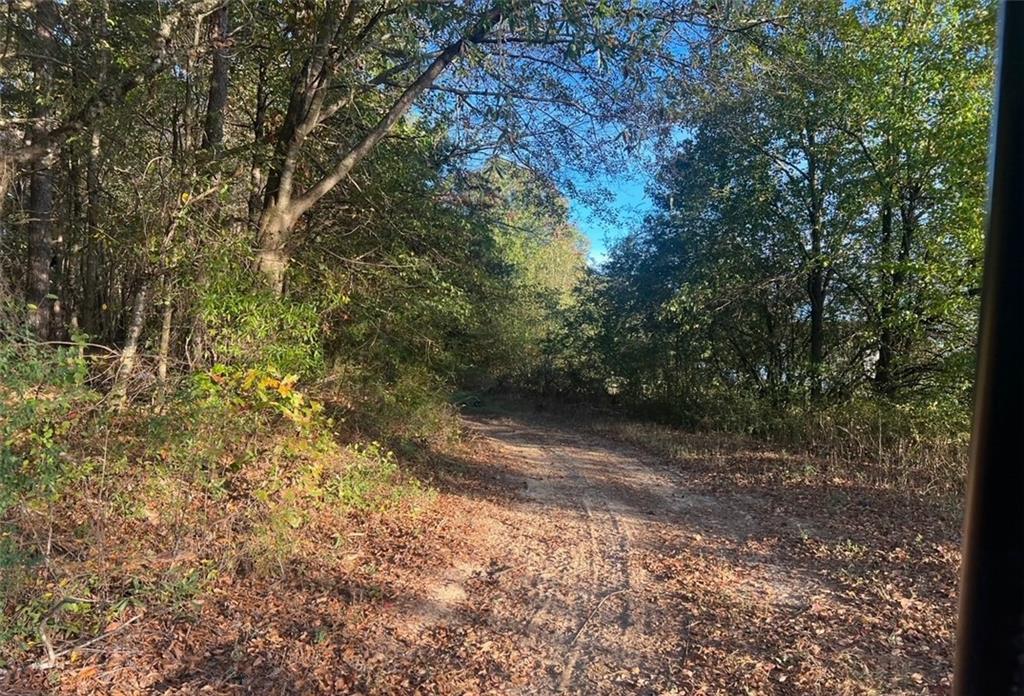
[(49, 141), (388, 121)]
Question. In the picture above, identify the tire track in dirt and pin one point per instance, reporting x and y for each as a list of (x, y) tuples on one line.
[(561, 570), (586, 513)]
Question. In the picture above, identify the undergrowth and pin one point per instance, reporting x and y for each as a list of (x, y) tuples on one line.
[(874, 443), (104, 515)]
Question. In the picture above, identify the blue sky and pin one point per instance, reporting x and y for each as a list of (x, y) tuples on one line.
[(629, 203), (624, 212)]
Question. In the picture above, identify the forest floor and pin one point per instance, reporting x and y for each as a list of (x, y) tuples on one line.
[(557, 558)]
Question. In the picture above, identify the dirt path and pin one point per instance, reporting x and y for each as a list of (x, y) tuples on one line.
[(592, 567), (553, 560), (563, 584)]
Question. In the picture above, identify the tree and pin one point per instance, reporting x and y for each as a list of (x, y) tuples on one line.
[(568, 63), (817, 232)]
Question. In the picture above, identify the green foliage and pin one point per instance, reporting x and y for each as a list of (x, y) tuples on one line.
[(42, 399), (811, 269), (260, 389), (372, 480), (541, 257), (242, 451), (251, 327)]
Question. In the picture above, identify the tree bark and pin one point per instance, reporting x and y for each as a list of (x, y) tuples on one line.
[(92, 288), (883, 368), (40, 205), (167, 317), (213, 125), (256, 175), (213, 140), (40, 252), (129, 354), (816, 275), (893, 339)]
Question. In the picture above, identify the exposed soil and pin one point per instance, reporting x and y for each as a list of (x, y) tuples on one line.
[(560, 561)]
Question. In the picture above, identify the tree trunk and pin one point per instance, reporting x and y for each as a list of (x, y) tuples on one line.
[(893, 340), (92, 293), (280, 209), (165, 340), (213, 139), (816, 273), (213, 125), (886, 338), (272, 257), (256, 176), (816, 292), (129, 355), (40, 205), (40, 252)]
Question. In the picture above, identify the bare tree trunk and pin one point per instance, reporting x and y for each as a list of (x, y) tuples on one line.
[(40, 205), (272, 257), (886, 339), (129, 355), (92, 293), (256, 175), (92, 300), (165, 340), (816, 274), (165, 350), (213, 139), (188, 118), (816, 293), (213, 125)]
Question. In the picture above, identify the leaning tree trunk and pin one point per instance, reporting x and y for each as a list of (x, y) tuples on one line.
[(283, 204)]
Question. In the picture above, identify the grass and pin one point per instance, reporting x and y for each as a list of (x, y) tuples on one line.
[(927, 468)]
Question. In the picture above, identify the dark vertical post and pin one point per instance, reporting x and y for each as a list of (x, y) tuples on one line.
[(990, 634)]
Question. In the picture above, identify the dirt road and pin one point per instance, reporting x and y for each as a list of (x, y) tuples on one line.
[(554, 560), (595, 568), (561, 568)]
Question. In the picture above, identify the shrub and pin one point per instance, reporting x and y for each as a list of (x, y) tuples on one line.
[(249, 326), (43, 397)]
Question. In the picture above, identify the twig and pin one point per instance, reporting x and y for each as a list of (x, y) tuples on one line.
[(51, 660), (51, 656), (592, 613)]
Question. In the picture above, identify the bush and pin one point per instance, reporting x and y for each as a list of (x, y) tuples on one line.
[(920, 446), (414, 406), (249, 326), (43, 397), (239, 472)]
